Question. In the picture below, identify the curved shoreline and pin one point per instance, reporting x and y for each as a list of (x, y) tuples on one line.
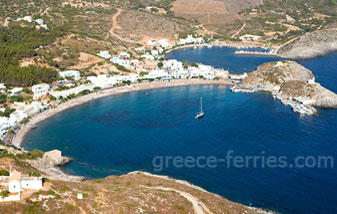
[(40, 117)]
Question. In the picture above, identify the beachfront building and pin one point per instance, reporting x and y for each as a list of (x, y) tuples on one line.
[(70, 73), (102, 81), (75, 91), (16, 117), (248, 37), (104, 54), (193, 72), (15, 183), (157, 74), (40, 90), (221, 74), (191, 40)]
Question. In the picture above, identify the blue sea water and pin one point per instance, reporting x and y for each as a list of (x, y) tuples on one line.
[(123, 133)]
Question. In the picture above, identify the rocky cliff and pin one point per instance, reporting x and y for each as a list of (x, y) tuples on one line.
[(290, 82), (310, 45)]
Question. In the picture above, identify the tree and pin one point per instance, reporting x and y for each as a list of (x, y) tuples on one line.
[(160, 64)]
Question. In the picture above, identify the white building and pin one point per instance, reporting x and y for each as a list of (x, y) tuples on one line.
[(157, 74), (155, 53), (147, 56), (151, 42), (16, 117), (248, 37), (2, 87), (39, 21), (191, 40), (70, 73), (163, 43), (15, 91), (104, 54), (17, 183), (27, 18), (76, 90), (102, 81), (40, 90)]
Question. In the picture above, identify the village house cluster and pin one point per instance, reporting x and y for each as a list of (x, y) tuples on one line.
[(150, 65), (15, 184)]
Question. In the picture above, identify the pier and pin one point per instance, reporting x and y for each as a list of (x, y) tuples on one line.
[(256, 53)]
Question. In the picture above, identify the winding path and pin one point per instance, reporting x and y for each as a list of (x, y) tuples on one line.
[(241, 29), (198, 206), (116, 26)]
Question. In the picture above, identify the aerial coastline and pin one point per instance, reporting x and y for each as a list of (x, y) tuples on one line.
[(36, 119)]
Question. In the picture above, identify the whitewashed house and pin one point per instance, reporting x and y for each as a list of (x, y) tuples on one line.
[(27, 19), (76, 90), (102, 81), (17, 183), (151, 42), (191, 40), (157, 74), (147, 56), (15, 91), (2, 87), (104, 54), (155, 53), (163, 43), (39, 21), (248, 37), (40, 90), (70, 73), (193, 72), (16, 117)]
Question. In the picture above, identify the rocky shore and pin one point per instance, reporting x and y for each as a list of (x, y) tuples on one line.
[(310, 45), (291, 83)]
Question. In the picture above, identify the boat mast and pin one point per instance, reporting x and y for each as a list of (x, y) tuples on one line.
[(200, 104)]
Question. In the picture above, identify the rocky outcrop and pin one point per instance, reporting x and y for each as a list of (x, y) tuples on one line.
[(290, 82), (310, 45), (51, 159), (49, 164)]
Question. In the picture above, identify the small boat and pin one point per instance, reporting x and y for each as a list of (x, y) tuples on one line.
[(201, 113), (146, 93)]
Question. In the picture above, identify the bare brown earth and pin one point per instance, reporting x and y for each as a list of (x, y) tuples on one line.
[(213, 14), (132, 193), (134, 25)]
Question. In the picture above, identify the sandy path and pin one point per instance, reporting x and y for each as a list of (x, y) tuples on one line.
[(241, 29), (35, 120), (198, 206), (116, 26)]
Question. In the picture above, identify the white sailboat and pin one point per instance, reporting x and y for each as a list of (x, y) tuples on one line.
[(201, 113)]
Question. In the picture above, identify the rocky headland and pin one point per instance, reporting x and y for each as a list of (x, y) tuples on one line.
[(49, 164), (290, 82), (310, 45)]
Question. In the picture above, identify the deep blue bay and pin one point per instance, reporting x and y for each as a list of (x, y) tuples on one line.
[(123, 133)]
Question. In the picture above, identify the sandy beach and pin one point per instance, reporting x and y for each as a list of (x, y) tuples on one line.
[(36, 119)]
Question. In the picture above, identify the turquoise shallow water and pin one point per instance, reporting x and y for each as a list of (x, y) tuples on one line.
[(123, 133)]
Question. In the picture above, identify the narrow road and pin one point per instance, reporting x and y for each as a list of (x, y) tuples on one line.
[(116, 26), (198, 206), (241, 29)]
